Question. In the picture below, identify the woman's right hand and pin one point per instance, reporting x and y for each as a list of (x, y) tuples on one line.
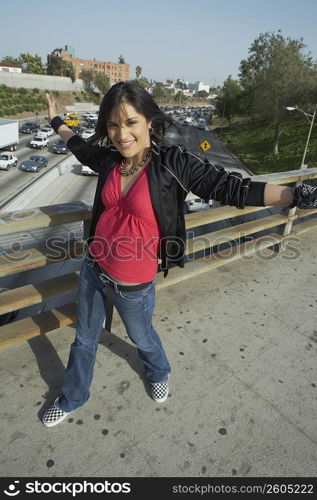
[(51, 107)]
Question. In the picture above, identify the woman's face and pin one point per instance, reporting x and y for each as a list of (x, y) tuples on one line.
[(129, 131)]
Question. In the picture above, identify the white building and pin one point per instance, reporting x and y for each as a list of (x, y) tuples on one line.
[(197, 87), (10, 68)]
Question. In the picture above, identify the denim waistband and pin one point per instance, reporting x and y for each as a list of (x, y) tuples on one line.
[(105, 278), (123, 288)]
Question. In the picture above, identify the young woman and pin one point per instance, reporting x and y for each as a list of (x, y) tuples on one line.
[(137, 224)]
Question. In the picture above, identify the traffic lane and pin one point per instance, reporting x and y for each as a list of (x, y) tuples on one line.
[(219, 153), (25, 139), (14, 180), (191, 137), (71, 186)]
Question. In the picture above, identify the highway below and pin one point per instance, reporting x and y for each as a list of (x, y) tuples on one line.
[(14, 180), (192, 137)]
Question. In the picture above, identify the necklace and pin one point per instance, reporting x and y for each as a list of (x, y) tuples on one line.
[(134, 169)]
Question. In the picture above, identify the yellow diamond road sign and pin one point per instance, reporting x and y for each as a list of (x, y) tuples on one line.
[(205, 145)]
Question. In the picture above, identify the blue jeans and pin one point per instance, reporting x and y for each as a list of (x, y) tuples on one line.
[(135, 309)]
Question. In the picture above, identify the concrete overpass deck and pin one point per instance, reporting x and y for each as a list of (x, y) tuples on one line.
[(242, 341)]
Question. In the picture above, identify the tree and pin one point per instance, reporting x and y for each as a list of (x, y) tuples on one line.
[(88, 77), (277, 73), (102, 82), (27, 62), (59, 67), (121, 59), (158, 91), (11, 60), (70, 71), (144, 82), (180, 85), (138, 71), (228, 101), (179, 98), (202, 93), (31, 64)]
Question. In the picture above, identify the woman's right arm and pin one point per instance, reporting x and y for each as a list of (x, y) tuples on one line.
[(65, 132), (85, 152)]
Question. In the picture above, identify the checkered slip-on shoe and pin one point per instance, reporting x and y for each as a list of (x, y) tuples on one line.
[(159, 391), (54, 415)]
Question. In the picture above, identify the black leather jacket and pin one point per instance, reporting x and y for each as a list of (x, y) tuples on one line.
[(173, 173)]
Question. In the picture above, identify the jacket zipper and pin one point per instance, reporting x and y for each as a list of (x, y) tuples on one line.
[(164, 260)]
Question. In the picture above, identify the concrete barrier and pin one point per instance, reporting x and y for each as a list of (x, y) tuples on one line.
[(81, 107), (43, 82), (29, 192)]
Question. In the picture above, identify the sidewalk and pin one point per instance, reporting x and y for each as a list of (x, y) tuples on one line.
[(242, 342)]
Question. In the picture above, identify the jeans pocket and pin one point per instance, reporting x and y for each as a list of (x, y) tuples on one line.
[(135, 296)]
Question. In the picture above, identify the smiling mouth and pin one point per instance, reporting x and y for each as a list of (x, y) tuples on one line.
[(124, 145)]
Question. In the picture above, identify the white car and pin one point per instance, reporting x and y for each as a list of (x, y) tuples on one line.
[(197, 204), (201, 123), (39, 142), (85, 170), (7, 160), (41, 133), (87, 133), (47, 130), (90, 116)]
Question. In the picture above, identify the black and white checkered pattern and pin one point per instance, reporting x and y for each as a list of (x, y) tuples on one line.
[(54, 415), (159, 391), (305, 196)]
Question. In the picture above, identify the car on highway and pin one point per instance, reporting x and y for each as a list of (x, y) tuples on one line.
[(41, 133), (188, 120), (33, 164), (87, 133), (39, 142), (29, 128), (8, 160), (90, 116), (47, 129), (71, 119), (201, 123), (60, 147), (90, 123), (197, 204), (85, 170)]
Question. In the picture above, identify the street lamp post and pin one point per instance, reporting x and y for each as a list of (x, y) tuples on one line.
[(310, 119), (308, 116)]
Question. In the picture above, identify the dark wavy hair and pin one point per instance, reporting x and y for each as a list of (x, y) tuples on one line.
[(132, 93)]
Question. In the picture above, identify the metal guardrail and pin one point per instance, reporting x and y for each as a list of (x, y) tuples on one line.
[(44, 284)]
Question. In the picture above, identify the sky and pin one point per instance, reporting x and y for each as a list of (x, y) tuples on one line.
[(201, 40)]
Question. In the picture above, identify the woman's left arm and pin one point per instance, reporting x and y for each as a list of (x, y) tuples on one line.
[(208, 180), (275, 195), (301, 196)]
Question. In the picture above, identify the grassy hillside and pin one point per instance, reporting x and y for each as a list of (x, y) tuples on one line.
[(22, 103), (252, 142)]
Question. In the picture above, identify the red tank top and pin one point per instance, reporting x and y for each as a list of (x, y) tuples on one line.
[(127, 234)]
